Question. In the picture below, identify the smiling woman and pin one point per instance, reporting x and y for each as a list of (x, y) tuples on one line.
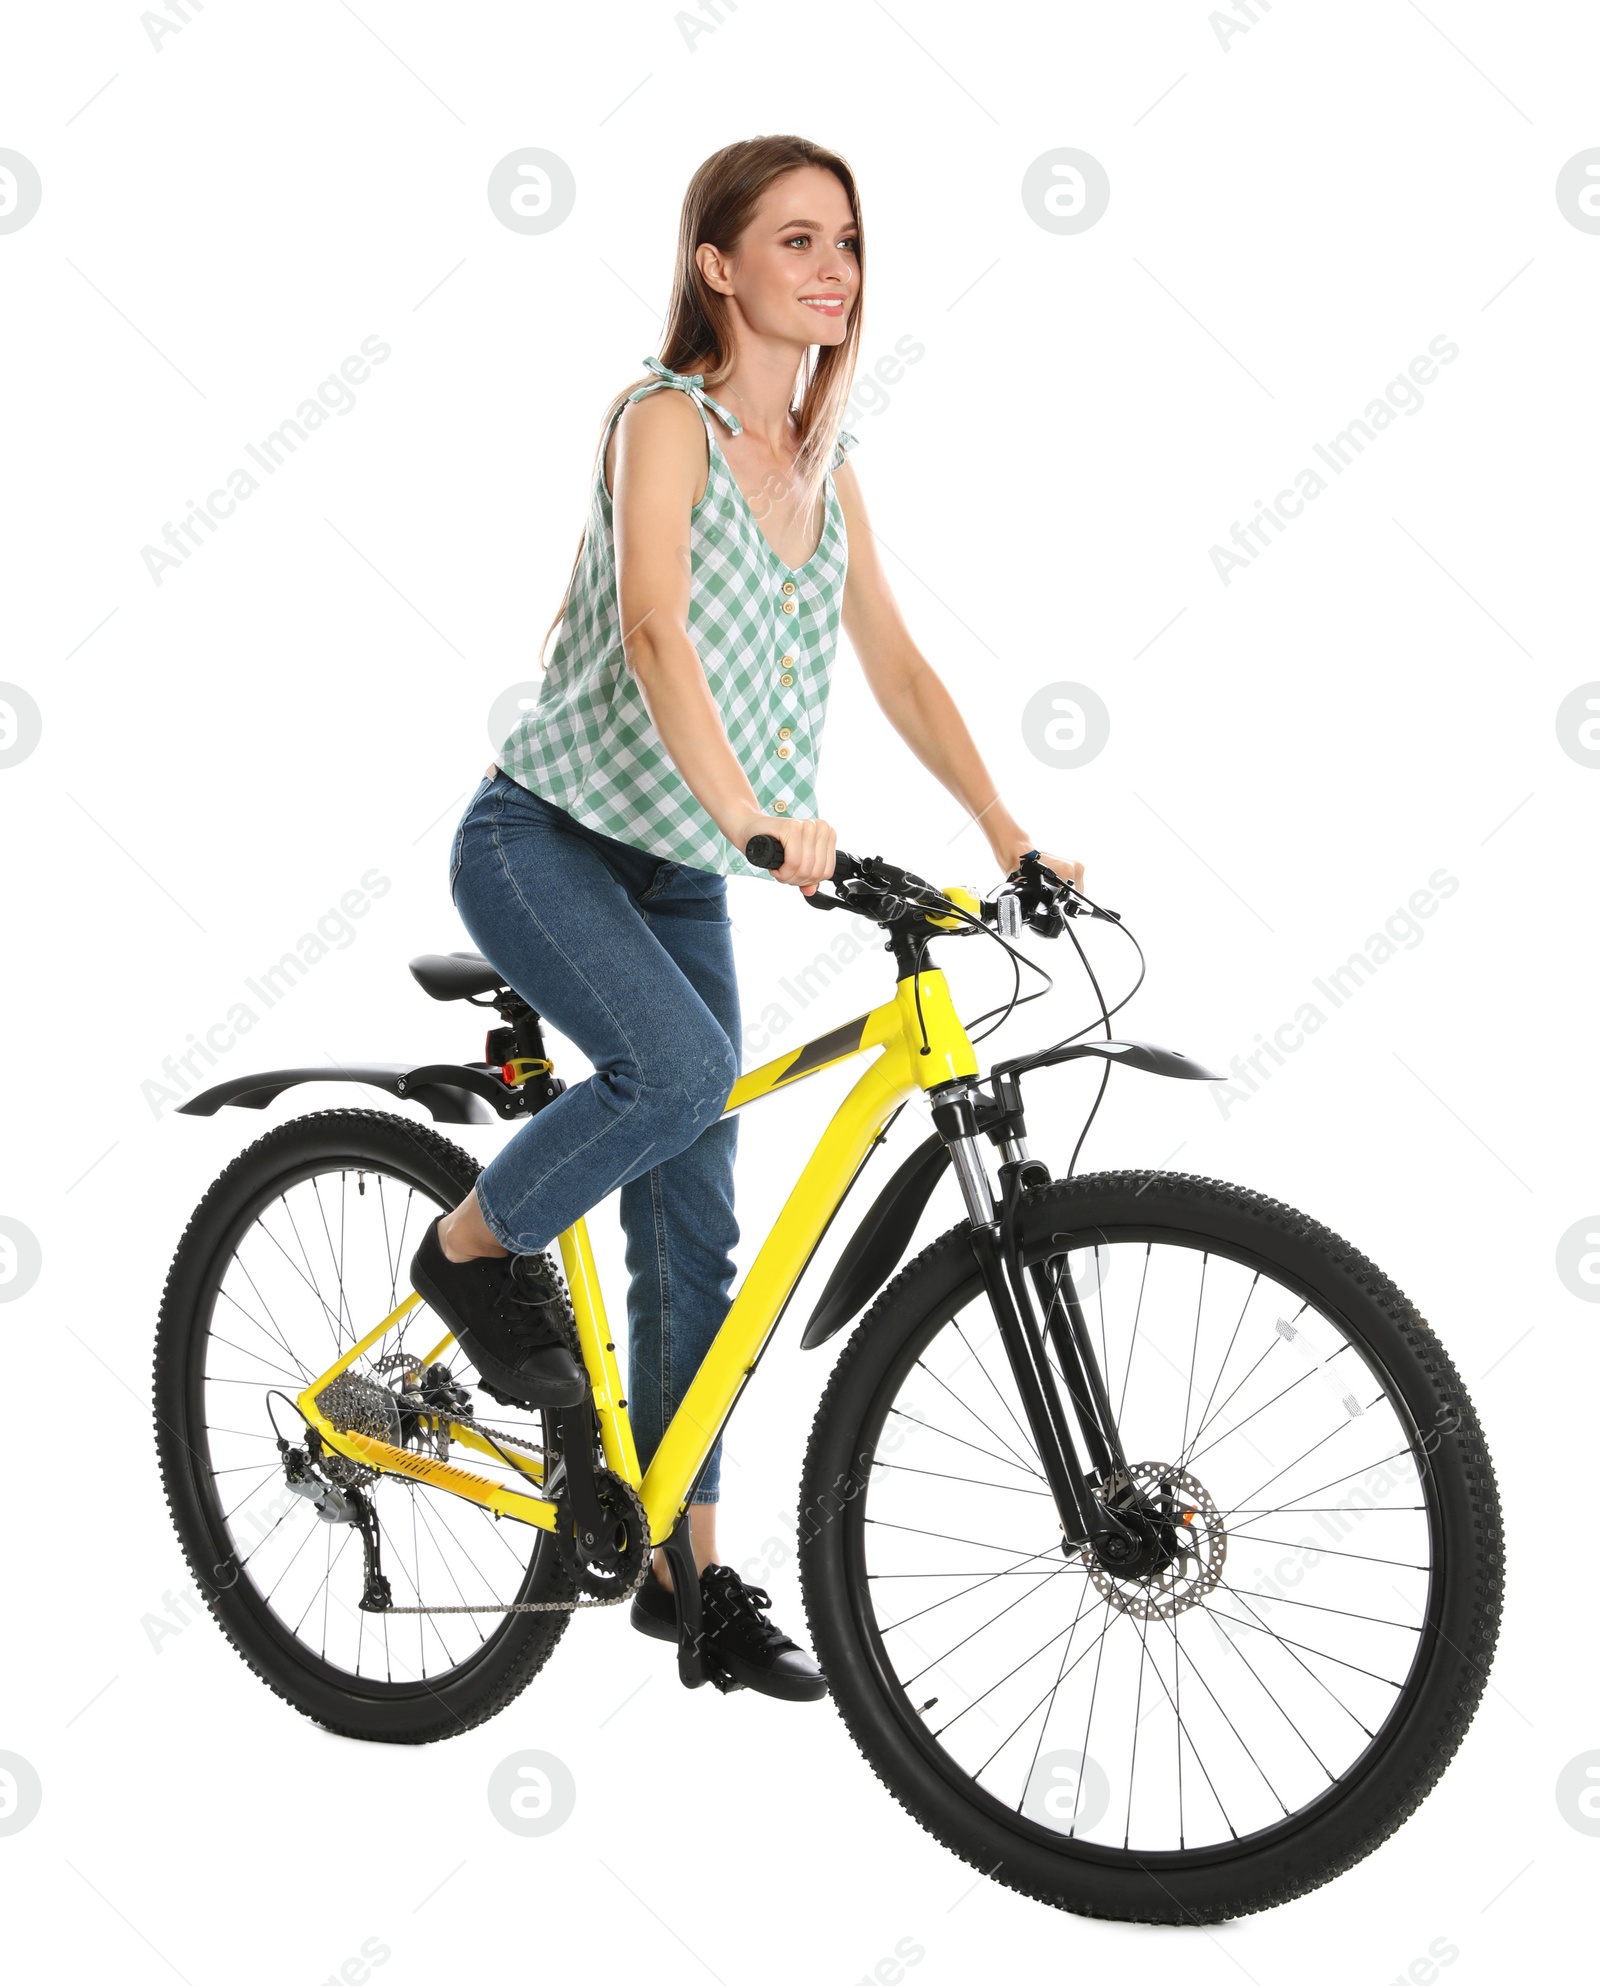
[(680, 717)]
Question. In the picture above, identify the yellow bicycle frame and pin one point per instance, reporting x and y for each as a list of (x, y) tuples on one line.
[(920, 1013)]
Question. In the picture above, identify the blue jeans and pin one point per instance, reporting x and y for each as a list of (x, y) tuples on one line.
[(631, 958)]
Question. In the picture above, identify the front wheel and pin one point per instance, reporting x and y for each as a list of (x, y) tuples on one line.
[(1281, 1682)]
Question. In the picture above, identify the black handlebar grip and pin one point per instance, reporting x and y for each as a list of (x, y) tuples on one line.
[(765, 851)]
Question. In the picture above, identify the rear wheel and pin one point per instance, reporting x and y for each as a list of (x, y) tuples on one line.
[(297, 1251), (1296, 1659)]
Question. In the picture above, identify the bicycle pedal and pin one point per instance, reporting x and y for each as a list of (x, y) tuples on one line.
[(696, 1668)]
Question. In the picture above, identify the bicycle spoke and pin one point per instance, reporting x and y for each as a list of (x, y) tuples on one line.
[(1088, 1722), (1329, 1436), (1287, 1642), (1027, 1568), (1273, 1700), (1133, 1335), (1272, 1510), (1010, 1463), (940, 1660), (1283, 1600), (995, 1390), (1013, 1671), (311, 1274), (1188, 1391), (332, 1315), (294, 1379), (268, 1469), (1189, 1658), (273, 1336), (949, 1539), (1194, 1454), (1012, 1489), (1049, 1697), (1238, 1326), (283, 1575), (417, 1510), (1327, 1551), (337, 1259), (1133, 1756), (1177, 1713), (1235, 1391)]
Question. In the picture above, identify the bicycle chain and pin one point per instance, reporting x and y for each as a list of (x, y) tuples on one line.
[(581, 1604)]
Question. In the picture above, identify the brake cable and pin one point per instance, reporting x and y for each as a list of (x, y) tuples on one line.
[(942, 905), (947, 908)]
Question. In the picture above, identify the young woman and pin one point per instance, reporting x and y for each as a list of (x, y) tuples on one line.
[(682, 713)]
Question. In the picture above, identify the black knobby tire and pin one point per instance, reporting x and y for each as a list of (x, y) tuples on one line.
[(1408, 1752), (375, 1707)]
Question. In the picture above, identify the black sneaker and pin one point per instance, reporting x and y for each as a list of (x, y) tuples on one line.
[(506, 1314), (757, 1654)]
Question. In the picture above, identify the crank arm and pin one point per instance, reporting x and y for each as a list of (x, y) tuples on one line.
[(696, 1664), (578, 1492)]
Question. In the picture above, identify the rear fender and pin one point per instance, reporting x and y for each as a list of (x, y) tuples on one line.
[(451, 1092)]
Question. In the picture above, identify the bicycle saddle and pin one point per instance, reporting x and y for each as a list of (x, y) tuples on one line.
[(455, 976)]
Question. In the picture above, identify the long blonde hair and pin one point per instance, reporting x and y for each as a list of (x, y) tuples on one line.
[(719, 205)]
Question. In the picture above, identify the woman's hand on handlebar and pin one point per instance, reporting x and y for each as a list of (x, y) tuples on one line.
[(1067, 870), (807, 848)]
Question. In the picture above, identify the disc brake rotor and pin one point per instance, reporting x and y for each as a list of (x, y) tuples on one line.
[(1194, 1555)]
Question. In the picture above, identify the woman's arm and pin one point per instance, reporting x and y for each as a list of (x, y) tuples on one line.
[(913, 697), (660, 468)]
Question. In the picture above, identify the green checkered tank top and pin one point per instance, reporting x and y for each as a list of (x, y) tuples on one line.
[(764, 631)]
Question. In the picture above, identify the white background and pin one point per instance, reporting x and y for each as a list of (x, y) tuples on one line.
[(1293, 217)]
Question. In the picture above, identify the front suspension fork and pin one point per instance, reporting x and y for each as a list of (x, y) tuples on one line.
[(996, 1246)]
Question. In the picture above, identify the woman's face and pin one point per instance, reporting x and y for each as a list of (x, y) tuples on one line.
[(794, 274)]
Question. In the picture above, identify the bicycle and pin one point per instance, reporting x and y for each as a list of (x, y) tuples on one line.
[(1160, 1652)]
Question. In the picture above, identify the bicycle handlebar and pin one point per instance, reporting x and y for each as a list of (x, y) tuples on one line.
[(889, 894)]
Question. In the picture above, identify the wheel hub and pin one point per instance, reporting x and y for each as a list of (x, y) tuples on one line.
[(1179, 1548)]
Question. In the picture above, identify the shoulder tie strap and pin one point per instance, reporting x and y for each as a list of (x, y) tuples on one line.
[(693, 383)]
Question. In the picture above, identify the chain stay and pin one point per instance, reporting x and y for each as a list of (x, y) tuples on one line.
[(348, 1396), (580, 1601)]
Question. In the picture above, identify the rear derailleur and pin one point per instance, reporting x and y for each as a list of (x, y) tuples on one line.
[(339, 1503)]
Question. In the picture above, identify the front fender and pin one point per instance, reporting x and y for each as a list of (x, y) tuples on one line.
[(451, 1092), (874, 1250), (1146, 1055)]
